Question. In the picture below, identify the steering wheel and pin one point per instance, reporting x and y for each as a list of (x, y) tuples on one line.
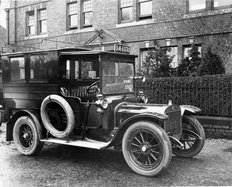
[(93, 88)]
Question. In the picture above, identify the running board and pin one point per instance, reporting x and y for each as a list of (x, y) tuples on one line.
[(87, 143)]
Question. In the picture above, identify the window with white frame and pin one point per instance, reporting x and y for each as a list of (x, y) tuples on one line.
[(87, 13), (201, 5), (195, 5), (222, 3), (187, 48), (126, 10), (145, 9), (171, 52), (72, 15), (42, 21), (30, 23)]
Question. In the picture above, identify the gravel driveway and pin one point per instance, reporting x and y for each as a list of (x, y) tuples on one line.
[(71, 166)]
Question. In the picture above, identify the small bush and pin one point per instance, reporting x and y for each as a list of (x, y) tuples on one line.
[(211, 65), (157, 63), (189, 66)]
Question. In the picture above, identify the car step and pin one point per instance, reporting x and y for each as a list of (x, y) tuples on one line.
[(87, 143)]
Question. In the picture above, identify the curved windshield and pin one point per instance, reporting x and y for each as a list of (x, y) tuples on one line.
[(117, 77)]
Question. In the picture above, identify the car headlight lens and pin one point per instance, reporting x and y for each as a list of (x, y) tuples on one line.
[(104, 104)]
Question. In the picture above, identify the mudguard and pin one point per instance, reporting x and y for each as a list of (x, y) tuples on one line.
[(119, 131), (189, 108), (10, 124)]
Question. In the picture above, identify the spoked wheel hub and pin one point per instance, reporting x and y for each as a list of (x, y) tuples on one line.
[(26, 135), (145, 150)]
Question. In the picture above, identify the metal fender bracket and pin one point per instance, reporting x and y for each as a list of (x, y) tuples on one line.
[(192, 132), (176, 141)]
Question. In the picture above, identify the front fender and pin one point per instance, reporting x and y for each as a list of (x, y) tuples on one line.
[(189, 108), (118, 135)]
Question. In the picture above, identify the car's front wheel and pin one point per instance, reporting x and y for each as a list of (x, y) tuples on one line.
[(146, 148)]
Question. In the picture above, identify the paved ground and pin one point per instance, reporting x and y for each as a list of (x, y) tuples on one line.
[(70, 166)]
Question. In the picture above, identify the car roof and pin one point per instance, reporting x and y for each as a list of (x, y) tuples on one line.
[(44, 51), (94, 52)]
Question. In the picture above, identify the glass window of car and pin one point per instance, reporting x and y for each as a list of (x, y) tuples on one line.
[(38, 68), (17, 68)]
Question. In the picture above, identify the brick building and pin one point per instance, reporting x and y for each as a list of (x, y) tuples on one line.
[(98, 24)]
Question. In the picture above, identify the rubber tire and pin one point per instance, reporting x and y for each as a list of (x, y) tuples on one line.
[(164, 140), (68, 111), (199, 145), (37, 145)]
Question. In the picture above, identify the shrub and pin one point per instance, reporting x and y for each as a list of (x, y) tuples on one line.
[(189, 65), (157, 63), (211, 93), (212, 64)]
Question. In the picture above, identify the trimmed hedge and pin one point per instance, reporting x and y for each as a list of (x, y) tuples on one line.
[(211, 93)]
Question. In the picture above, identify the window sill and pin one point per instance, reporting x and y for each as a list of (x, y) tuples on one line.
[(135, 23), (36, 36), (87, 29)]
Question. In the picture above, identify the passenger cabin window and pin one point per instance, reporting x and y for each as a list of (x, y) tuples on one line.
[(17, 69), (38, 68), (81, 69)]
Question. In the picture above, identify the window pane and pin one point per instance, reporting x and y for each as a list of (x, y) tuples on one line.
[(31, 20), (126, 3), (218, 3), (88, 18), (31, 30), (43, 26), (143, 56), (67, 69), (76, 69), (17, 69), (42, 14), (30, 23), (187, 49), (197, 4), (72, 8), (38, 68), (86, 67), (146, 8), (73, 21), (126, 14), (172, 52), (87, 6)]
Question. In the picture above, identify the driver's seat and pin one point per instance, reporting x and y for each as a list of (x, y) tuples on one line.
[(79, 92)]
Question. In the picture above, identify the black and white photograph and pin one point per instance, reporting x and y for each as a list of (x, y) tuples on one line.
[(115, 93)]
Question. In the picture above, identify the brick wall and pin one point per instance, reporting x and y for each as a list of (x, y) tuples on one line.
[(216, 127), (170, 20)]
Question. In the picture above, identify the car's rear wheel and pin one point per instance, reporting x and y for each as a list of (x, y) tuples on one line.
[(26, 136), (193, 138), (146, 148)]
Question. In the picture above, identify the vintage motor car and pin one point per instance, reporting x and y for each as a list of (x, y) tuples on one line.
[(86, 98)]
